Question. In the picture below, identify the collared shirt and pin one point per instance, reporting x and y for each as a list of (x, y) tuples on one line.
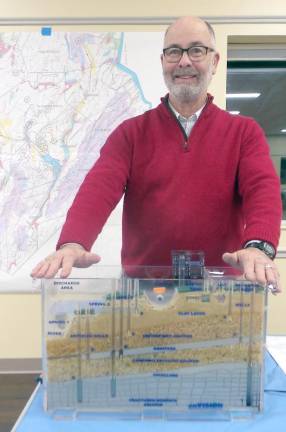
[(187, 122)]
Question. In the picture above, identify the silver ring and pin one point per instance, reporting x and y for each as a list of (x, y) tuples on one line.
[(268, 266)]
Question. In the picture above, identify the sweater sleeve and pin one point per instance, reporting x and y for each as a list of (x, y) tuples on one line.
[(259, 187), (99, 193)]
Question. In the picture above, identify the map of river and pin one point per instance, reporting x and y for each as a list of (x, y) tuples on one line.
[(60, 97)]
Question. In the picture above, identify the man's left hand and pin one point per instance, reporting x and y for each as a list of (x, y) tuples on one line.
[(255, 266)]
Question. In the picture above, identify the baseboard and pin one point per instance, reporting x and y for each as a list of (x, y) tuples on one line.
[(27, 365)]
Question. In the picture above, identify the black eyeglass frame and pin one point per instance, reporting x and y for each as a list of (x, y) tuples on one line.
[(208, 49)]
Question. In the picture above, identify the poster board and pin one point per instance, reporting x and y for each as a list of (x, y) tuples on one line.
[(61, 94)]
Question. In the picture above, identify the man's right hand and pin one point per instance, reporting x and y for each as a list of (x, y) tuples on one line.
[(66, 258)]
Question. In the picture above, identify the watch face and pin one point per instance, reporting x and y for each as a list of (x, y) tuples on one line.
[(268, 249)]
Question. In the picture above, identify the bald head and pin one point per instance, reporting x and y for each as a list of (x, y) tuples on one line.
[(186, 24)]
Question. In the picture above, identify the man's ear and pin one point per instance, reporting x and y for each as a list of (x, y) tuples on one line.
[(215, 61)]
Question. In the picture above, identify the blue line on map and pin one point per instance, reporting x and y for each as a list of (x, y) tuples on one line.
[(130, 72), (54, 164), (66, 151)]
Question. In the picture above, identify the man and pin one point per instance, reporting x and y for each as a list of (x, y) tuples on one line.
[(194, 177)]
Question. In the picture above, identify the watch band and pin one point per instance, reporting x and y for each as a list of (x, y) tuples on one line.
[(264, 246)]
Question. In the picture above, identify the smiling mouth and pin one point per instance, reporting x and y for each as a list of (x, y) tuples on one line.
[(185, 76)]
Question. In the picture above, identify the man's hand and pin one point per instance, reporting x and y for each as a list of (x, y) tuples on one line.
[(256, 266), (66, 258)]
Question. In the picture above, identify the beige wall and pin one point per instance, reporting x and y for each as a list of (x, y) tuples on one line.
[(20, 324), (20, 315), (73, 8), (277, 305)]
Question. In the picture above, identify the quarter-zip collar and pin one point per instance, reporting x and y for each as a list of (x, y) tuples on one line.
[(187, 122), (166, 103), (178, 115)]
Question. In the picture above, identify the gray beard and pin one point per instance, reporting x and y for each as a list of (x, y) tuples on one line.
[(186, 93)]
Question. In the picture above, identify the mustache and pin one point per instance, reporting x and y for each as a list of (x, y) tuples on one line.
[(185, 72)]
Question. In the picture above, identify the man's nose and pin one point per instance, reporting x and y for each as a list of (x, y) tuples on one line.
[(185, 60)]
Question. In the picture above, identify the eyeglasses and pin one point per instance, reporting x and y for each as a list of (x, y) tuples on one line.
[(195, 53)]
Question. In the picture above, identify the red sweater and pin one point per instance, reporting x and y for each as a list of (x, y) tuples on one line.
[(212, 191)]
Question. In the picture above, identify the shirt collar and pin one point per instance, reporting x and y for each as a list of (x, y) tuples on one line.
[(178, 115)]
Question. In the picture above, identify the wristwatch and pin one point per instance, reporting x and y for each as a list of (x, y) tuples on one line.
[(264, 246)]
